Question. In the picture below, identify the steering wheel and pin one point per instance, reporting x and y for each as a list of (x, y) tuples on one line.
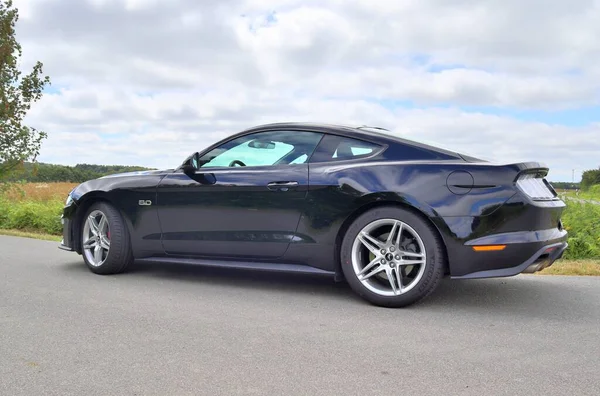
[(237, 162)]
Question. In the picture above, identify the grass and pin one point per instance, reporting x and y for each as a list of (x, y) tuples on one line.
[(39, 192), (33, 210), (42, 217), (592, 194), (582, 221), (573, 267), (33, 207)]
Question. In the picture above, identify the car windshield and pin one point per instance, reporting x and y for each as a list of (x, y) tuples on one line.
[(250, 155)]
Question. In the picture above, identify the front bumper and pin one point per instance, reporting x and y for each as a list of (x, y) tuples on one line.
[(67, 241), (62, 246)]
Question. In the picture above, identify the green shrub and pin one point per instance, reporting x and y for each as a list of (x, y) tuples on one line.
[(582, 221), (595, 191), (31, 216)]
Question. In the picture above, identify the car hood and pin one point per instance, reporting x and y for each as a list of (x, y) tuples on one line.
[(136, 173)]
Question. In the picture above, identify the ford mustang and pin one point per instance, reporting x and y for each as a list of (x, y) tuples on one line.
[(390, 216)]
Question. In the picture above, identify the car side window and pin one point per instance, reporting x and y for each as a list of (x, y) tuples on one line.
[(338, 148), (263, 149)]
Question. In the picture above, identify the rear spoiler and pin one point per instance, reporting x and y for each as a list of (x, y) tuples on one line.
[(538, 168)]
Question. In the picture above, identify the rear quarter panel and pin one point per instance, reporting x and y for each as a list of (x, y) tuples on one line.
[(341, 188), (457, 209)]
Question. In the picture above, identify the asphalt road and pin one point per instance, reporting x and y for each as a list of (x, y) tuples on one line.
[(185, 330)]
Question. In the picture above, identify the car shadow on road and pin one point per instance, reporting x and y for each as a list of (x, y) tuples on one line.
[(243, 278), (284, 282), (529, 295)]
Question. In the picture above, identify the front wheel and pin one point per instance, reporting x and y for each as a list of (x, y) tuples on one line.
[(391, 257), (106, 247)]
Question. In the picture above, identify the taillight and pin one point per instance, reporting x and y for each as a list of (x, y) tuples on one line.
[(535, 187)]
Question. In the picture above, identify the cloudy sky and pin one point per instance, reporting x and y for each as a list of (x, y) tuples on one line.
[(147, 82)]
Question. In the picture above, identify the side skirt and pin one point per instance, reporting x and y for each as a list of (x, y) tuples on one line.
[(276, 267)]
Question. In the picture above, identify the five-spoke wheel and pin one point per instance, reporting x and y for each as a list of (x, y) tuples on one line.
[(105, 243), (392, 256), (388, 257), (96, 238)]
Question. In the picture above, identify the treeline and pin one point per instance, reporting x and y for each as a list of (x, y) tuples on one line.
[(565, 185), (590, 178), (41, 172)]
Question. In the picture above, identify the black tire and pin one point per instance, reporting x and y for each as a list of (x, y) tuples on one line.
[(434, 264), (120, 254)]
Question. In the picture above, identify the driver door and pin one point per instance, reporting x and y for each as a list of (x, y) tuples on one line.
[(244, 199)]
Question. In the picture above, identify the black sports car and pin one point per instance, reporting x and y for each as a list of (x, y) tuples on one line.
[(390, 216)]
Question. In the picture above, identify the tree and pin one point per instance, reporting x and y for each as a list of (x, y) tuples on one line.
[(590, 178), (18, 142)]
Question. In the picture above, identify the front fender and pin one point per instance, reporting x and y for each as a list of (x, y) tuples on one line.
[(126, 195)]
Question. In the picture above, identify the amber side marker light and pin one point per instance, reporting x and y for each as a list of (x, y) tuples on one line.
[(489, 248)]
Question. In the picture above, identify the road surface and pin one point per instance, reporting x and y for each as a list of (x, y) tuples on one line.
[(184, 330)]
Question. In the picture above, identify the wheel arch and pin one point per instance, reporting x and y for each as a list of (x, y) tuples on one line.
[(420, 212), (83, 204)]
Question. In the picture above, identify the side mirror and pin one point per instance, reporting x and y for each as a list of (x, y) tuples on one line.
[(202, 178), (193, 161), (188, 169)]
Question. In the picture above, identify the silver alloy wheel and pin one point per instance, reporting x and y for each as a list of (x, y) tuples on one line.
[(381, 254), (96, 238)]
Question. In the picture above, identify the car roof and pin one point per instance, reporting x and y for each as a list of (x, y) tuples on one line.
[(375, 133), (313, 126)]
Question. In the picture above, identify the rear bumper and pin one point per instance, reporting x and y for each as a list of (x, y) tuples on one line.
[(518, 235), (547, 258), (541, 259)]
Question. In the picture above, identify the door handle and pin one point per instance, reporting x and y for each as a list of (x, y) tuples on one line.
[(282, 186)]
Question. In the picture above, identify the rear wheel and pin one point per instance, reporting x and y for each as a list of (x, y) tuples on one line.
[(106, 247), (392, 257)]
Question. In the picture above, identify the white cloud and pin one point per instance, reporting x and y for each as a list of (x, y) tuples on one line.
[(145, 83)]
